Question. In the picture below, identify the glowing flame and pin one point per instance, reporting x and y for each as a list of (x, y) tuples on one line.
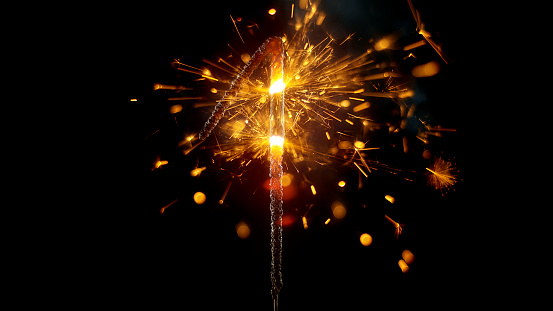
[(277, 87), (276, 141)]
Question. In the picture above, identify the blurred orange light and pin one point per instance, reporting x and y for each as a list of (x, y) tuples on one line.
[(286, 180), (408, 256), (175, 109), (272, 12), (242, 230), (341, 184), (199, 197), (338, 210), (403, 266), (366, 239)]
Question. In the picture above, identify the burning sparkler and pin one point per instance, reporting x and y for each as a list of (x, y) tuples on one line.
[(299, 102)]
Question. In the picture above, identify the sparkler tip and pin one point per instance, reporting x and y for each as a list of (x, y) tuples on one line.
[(277, 87)]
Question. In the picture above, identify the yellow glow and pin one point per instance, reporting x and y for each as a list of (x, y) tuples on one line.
[(245, 58), (277, 87), (199, 198), (327, 135), (272, 12), (366, 239), (313, 189), (197, 171), (304, 220), (382, 44), (206, 72), (276, 141), (327, 221), (362, 106), (213, 90), (403, 266), (408, 256), (345, 103), (341, 184), (134, 99), (338, 210), (320, 19), (286, 180), (175, 109), (159, 163), (242, 230), (426, 70), (359, 144), (390, 198)]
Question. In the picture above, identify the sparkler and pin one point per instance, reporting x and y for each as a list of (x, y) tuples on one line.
[(295, 92)]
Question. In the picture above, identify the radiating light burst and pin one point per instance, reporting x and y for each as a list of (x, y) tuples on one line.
[(441, 175), (340, 108)]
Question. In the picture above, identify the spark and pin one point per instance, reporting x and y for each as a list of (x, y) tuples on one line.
[(366, 239), (304, 221), (234, 23), (425, 34), (398, 226), (199, 198), (159, 163), (222, 200), (162, 210), (442, 175)]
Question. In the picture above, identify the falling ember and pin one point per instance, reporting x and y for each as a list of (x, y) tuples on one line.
[(426, 70), (397, 225), (313, 190), (272, 12), (197, 171), (242, 230), (338, 210), (341, 184), (304, 220), (366, 239), (403, 266), (222, 200), (159, 163), (199, 198), (408, 256), (390, 198), (162, 210)]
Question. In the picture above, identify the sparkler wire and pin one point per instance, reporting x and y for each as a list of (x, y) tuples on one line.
[(273, 47), (237, 84), (277, 133)]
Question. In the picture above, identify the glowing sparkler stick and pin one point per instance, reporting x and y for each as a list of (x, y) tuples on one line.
[(276, 134), (274, 48)]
